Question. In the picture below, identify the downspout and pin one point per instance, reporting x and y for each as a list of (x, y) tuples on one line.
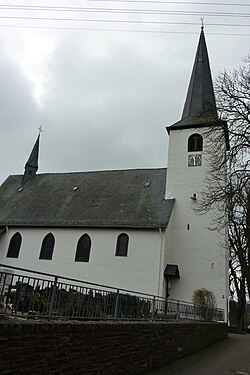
[(161, 262)]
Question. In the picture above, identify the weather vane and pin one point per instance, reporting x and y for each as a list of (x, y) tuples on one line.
[(40, 129), (202, 23)]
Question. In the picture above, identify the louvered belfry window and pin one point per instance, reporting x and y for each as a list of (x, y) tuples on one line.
[(83, 249), (14, 246), (122, 245), (47, 247)]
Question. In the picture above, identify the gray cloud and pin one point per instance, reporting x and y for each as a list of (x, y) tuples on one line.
[(17, 115), (106, 101), (108, 112)]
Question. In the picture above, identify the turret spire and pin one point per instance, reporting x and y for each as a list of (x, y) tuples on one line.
[(32, 164), (200, 107)]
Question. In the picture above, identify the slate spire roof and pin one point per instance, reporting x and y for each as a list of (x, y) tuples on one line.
[(31, 165), (200, 107)]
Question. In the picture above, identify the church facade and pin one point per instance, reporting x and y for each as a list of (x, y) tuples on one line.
[(131, 229)]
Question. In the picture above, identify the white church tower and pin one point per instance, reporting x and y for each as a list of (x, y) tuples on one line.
[(196, 250)]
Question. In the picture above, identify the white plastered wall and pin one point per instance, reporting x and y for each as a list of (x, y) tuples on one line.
[(138, 271), (197, 251), (3, 239)]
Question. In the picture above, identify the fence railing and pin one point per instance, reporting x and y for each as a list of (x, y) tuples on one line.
[(29, 294)]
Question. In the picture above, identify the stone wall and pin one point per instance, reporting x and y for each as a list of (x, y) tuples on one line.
[(94, 348)]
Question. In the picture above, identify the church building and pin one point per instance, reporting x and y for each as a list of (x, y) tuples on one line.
[(134, 229)]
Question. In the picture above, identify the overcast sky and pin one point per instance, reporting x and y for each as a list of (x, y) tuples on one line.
[(104, 97)]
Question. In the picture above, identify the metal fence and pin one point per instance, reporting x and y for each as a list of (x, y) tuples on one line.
[(36, 295)]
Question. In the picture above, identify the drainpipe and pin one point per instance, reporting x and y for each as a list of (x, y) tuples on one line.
[(161, 261)]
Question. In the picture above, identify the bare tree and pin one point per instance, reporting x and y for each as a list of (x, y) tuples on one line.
[(227, 185)]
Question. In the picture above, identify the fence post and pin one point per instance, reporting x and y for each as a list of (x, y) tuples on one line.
[(53, 297), (177, 310), (153, 309), (116, 304)]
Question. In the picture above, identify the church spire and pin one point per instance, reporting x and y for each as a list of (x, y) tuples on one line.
[(200, 107), (32, 164)]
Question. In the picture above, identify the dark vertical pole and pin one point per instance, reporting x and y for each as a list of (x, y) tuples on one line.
[(153, 309), (53, 297), (117, 304)]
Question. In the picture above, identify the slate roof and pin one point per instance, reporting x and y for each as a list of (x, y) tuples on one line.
[(121, 198), (33, 158), (32, 164), (200, 107)]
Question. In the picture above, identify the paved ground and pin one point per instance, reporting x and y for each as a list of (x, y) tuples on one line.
[(231, 356)]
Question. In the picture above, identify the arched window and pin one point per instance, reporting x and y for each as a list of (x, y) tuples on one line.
[(47, 247), (83, 249), (195, 142), (14, 245), (122, 245)]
